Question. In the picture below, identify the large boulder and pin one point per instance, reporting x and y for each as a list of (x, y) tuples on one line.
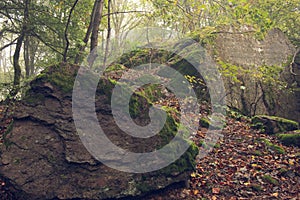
[(242, 56), (44, 158), (273, 124)]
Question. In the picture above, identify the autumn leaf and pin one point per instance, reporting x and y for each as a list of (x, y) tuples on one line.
[(216, 190)]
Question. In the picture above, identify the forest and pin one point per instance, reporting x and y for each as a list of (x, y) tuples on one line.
[(149, 100)]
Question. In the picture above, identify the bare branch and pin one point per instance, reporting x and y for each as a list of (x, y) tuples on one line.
[(293, 62), (9, 44), (66, 30), (47, 44), (124, 12)]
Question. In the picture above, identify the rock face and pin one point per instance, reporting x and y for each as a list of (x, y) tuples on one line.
[(45, 159), (252, 94)]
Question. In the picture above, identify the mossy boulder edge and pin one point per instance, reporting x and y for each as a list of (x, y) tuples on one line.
[(273, 124)]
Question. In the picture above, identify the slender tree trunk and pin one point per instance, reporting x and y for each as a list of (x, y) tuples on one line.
[(66, 31), (87, 35), (27, 56), (92, 33), (95, 31), (96, 24), (108, 33), (16, 58)]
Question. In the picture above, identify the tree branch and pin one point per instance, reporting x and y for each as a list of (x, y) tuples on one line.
[(47, 44), (9, 44), (66, 31), (293, 62), (124, 12)]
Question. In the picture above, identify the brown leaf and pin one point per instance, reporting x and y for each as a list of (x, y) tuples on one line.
[(216, 190)]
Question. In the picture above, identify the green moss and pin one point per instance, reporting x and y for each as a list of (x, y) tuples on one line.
[(204, 122), (62, 76), (185, 163), (115, 67), (144, 187), (235, 113), (152, 92), (273, 147), (273, 124), (290, 139), (270, 179), (257, 153), (34, 99), (63, 81), (207, 123)]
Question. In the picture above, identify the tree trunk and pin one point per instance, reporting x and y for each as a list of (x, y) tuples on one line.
[(96, 24), (95, 31), (16, 58), (108, 34), (27, 56), (92, 32)]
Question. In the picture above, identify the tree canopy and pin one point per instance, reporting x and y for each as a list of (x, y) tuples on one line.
[(35, 34)]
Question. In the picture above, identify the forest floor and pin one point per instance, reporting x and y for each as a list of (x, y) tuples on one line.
[(244, 164)]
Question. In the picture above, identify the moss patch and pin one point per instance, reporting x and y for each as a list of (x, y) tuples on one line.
[(34, 99), (62, 76), (269, 179), (204, 122), (290, 138), (273, 124), (273, 147)]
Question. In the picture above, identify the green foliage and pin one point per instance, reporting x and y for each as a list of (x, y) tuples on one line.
[(270, 75), (231, 71)]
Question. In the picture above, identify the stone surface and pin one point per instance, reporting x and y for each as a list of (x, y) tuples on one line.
[(241, 48), (45, 159)]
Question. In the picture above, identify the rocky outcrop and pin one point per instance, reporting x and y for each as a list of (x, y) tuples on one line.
[(253, 59), (44, 158)]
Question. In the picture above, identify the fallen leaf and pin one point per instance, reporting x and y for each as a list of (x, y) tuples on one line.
[(195, 192), (216, 190)]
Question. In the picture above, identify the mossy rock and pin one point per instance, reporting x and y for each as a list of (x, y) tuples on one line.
[(292, 138), (207, 123), (56, 140), (273, 124), (62, 76), (204, 122), (273, 147)]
